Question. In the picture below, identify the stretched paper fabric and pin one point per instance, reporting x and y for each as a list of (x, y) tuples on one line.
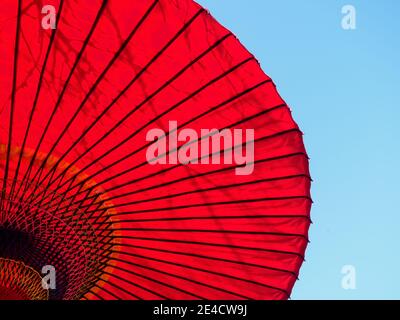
[(83, 84)]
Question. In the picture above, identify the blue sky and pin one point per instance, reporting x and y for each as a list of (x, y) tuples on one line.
[(344, 89)]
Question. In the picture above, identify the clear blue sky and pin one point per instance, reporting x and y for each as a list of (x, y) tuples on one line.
[(344, 89)]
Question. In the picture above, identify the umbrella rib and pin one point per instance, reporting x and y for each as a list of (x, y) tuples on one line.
[(193, 119), (60, 97), (280, 234), (145, 163), (33, 109), (211, 244), (27, 172), (149, 279), (306, 197), (174, 276), (12, 107), (148, 144), (196, 205), (186, 178), (216, 188), (95, 284), (101, 76), (196, 269), (159, 248), (141, 72), (214, 80), (208, 258), (132, 283), (208, 217), (180, 165), (93, 293), (221, 187), (61, 175), (138, 130)]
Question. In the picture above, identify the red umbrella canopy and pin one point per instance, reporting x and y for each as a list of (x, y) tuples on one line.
[(144, 154)]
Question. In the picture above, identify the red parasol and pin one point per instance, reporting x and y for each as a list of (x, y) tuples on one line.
[(83, 108)]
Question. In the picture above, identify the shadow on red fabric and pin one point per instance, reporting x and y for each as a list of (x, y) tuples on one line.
[(82, 84)]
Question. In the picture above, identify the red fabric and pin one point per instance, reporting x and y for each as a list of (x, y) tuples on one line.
[(175, 231)]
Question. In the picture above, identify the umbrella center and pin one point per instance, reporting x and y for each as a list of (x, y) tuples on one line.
[(45, 240), (20, 282)]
